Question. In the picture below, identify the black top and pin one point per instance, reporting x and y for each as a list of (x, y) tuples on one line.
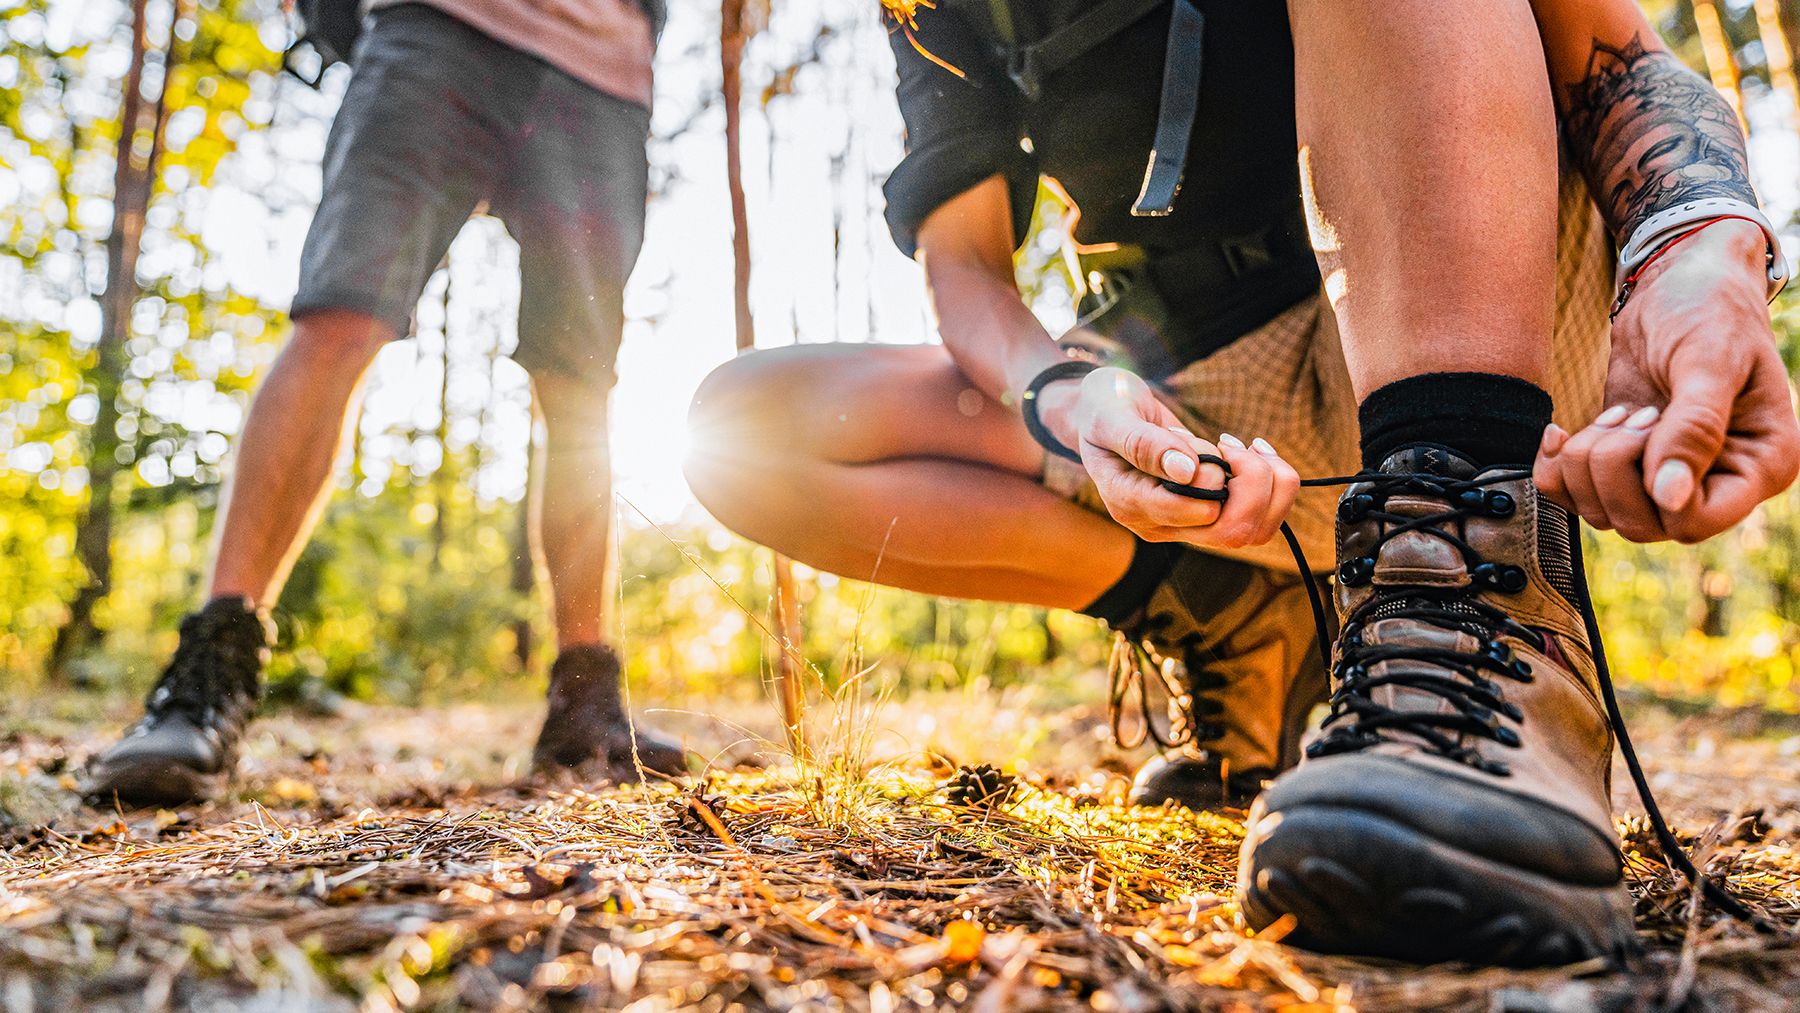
[(1091, 128)]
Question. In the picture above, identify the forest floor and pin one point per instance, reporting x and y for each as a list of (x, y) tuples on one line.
[(390, 858)]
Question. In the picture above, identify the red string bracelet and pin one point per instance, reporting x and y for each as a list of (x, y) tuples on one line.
[(1631, 279)]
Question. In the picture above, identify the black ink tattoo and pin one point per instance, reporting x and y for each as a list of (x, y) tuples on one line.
[(1649, 134)]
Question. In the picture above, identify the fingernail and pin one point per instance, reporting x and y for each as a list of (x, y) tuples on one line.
[(1612, 416), (1643, 417), (1228, 440), (1262, 447), (1674, 485), (1178, 466), (1554, 438)]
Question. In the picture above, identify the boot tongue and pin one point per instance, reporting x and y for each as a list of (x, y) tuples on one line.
[(1428, 459), (1420, 558)]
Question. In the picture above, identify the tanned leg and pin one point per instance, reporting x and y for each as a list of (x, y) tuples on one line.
[(886, 463), (281, 475), (1431, 183), (574, 516)]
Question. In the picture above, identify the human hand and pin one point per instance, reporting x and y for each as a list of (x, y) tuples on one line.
[(1694, 343), (1130, 442)]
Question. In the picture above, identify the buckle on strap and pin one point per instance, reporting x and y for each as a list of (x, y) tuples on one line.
[(1175, 113)]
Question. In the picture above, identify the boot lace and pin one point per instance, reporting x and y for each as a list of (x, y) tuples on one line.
[(1474, 691), (215, 666), (1143, 654)]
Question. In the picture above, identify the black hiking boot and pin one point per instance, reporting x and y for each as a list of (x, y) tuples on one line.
[(1234, 647), (1456, 806), (587, 731), (184, 749)]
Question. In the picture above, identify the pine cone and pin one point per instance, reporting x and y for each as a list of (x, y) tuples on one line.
[(981, 787)]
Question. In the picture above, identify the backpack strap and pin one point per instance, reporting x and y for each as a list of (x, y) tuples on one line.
[(1175, 113), (1029, 63)]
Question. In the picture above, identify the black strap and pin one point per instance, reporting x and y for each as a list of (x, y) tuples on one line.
[(1175, 112), (1028, 404), (1033, 62)]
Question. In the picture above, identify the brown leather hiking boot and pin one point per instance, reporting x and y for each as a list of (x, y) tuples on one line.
[(1456, 806), (1235, 649), (587, 730)]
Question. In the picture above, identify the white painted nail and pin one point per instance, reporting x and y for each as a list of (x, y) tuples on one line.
[(1643, 418), (1228, 440), (1612, 416), (1262, 447), (1674, 485), (1178, 466)]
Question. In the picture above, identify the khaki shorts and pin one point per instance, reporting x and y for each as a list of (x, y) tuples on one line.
[(1286, 382)]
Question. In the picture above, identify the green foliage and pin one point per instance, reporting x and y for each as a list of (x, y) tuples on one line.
[(406, 592)]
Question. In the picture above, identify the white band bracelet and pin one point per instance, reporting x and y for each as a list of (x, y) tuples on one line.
[(1649, 238)]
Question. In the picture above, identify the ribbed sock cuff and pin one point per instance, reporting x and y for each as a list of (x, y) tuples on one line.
[(1487, 417)]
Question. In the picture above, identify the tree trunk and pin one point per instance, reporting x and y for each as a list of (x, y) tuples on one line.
[(524, 560), (1719, 63), (134, 173), (1779, 56), (443, 479), (785, 608)]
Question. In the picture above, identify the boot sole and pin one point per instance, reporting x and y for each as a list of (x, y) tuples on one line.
[(1363, 885), (140, 785)]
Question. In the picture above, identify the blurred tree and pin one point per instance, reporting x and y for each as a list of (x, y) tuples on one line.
[(139, 143)]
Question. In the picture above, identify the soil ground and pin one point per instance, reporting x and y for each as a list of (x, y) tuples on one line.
[(390, 858)]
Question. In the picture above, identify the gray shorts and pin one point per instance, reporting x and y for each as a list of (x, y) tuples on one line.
[(439, 119)]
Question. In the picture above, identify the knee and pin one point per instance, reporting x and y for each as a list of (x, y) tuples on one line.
[(741, 415), (338, 339)]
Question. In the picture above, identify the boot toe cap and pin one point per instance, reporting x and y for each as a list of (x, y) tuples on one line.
[(1475, 814)]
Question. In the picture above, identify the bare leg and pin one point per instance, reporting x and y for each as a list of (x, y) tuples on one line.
[(884, 462), (1431, 183), (574, 523), (281, 476)]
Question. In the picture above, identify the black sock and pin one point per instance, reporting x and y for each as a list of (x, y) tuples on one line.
[(1489, 418), (1151, 563)]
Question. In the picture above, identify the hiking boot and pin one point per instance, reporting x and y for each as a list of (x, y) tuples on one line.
[(1456, 806), (1235, 649), (587, 730), (184, 749)]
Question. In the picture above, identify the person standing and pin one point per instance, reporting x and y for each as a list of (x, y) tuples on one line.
[(538, 110)]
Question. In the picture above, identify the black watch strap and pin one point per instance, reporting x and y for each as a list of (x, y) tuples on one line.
[(1028, 404)]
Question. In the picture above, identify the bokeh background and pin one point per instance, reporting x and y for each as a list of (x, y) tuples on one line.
[(113, 439)]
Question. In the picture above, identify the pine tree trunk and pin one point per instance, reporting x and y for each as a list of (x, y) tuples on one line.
[(785, 607), (1778, 54), (134, 172), (1720, 66)]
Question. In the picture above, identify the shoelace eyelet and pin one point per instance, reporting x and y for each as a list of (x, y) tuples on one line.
[(1352, 509), (1356, 572), (1502, 577)]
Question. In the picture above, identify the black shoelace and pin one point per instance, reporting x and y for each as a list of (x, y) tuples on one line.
[(1475, 689), (214, 667), (1137, 658)]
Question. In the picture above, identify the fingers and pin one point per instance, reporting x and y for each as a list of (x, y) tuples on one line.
[(1759, 458), (1692, 431), (1154, 446), (1135, 496), (1595, 472), (1262, 490)]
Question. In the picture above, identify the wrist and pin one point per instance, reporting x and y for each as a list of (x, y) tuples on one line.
[(1047, 404), (1731, 250)]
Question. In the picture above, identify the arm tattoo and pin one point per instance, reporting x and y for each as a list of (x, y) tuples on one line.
[(1649, 134)]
